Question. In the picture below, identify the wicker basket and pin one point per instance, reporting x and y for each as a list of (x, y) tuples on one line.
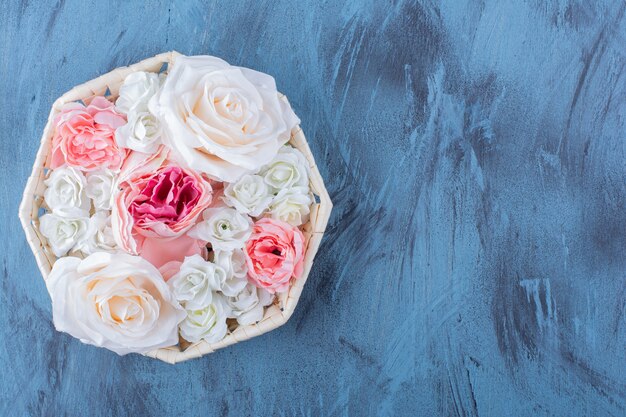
[(109, 83)]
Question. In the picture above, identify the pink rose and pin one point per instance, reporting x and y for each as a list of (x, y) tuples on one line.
[(275, 254), (167, 251), (169, 269), (155, 207), (85, 136)]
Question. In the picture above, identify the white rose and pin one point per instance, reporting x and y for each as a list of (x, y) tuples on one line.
[(249, 195), (101, 186), (220, 119), (292, 205), (195, 282), (137, 90), (142, 133), (116, 301), (248, 306), (224, 228), (208, 323), (100, 236), (234, 263), (65, 230), (66, 190), (288, 169)]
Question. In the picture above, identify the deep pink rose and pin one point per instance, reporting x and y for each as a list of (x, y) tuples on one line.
[(163, 201), (84, 136), (275, 254), (154, 209)]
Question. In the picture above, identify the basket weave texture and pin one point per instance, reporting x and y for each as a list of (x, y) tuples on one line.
[(32, 203)]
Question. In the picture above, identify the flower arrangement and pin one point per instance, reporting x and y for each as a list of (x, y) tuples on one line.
[(178, 212)]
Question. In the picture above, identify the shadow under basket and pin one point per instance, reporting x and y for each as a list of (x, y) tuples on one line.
[(31, 209)]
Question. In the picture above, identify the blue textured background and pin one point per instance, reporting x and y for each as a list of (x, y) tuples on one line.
[(475, 262)]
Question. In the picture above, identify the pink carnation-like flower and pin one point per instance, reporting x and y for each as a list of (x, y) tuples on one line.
[(154, 208), (275, 254), (85, 136)]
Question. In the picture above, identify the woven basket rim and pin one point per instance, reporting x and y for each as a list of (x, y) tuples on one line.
[(29, 212)]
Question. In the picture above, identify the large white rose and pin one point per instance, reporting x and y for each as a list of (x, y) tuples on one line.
[(208, 323), (288, 169), (136, 91), (224, 228), (142, 133), (101, 188), (220, 119), (65, 230), (292, 205), (195, 282), (249, 195), (66, 190), (247, 306), (116, 301), (234, 263)]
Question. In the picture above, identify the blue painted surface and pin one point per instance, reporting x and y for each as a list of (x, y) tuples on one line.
[(475, 261)]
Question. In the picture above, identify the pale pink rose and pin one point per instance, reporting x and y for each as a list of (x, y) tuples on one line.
[(84, 136), (161, 252), (275, 254), (169, 269), (157, 204)]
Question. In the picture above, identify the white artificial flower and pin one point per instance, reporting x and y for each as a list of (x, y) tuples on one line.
[(234, 263), (292, 205), (66, 190), (65, 230), (249, 195), (100, 236), (101, 187), (195, 282), (248, 306), (136, 91), (116, 301), (220, 119), (289, 168), (142, 133), (224, 228), (208, 323)]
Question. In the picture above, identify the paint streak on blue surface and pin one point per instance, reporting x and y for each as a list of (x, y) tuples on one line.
[(474, 264)]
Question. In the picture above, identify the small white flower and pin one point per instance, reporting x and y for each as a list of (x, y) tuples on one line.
[(292, 205), (234, 263), (137, 90), (250, 195), (195, 283), (65, 230), (208, 323), (100, 236), (66, 190), (142, 133), (247, 306), (101, 188), (224, 228), (289, 168)]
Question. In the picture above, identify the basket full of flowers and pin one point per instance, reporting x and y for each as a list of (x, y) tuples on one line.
[(174, 207)]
